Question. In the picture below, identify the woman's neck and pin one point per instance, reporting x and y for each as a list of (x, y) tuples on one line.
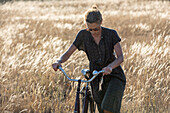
[(97, 39), (98, 36)]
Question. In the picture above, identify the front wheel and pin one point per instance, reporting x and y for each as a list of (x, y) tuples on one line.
[(88, 104), (92, 107)]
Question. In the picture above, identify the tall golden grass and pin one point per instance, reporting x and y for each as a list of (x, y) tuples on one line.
[(34, 34)]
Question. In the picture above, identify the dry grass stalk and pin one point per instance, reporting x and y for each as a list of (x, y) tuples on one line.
[(34, 34)]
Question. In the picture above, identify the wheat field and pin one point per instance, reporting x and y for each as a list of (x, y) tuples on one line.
[(34, 34)]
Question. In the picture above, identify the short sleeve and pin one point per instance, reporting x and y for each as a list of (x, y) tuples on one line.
[(116, 38), (78, 42)]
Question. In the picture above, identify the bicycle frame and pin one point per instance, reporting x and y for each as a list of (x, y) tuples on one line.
[(77, 102)]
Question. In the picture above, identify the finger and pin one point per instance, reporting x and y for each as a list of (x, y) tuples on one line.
[(105, 73), (60, 65), (54, 67)]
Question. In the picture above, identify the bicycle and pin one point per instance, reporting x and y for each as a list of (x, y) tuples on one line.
[(85, 91)]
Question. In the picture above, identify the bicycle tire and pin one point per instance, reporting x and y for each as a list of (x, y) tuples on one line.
[(92, 107), (88, 104)]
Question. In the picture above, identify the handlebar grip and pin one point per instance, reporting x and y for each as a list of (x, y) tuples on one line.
[(59, 67), (97, 72)]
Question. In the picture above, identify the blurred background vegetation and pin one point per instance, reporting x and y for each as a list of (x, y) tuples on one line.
[(34, 34), (3, 1)]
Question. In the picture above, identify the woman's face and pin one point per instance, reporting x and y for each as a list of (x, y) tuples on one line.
[(94, 28)]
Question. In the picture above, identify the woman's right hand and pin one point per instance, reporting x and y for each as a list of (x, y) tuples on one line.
[(55, 65)]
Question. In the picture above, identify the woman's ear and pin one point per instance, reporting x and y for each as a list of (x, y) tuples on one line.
[(86, 24)]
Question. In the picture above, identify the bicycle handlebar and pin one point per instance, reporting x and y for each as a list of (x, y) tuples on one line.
[(95, 74)]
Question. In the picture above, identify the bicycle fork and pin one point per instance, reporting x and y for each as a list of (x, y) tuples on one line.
[(85, 107), (77, 103)]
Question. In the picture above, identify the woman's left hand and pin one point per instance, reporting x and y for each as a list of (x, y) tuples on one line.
[(107, 70)]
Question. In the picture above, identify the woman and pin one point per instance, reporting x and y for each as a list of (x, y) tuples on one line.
[(99, 44)]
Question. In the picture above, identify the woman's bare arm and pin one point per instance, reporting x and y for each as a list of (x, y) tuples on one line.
[(64, 57), (117, 61)]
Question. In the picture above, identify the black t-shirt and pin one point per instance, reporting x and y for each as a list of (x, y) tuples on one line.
[(102, 54)]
